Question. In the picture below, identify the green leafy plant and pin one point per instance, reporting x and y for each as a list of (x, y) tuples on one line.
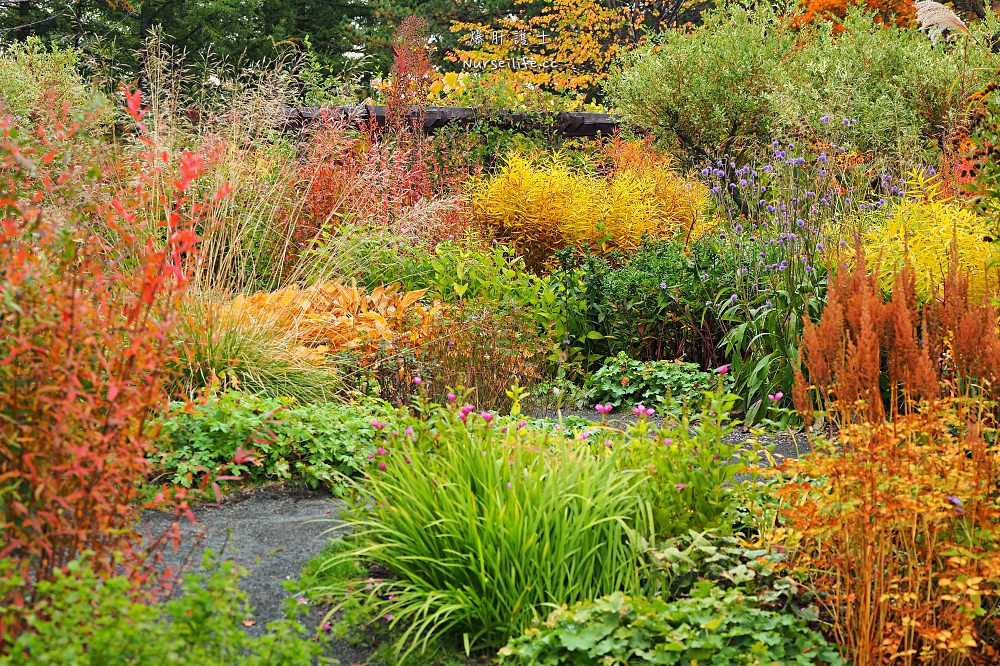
[(479, 527), (266, 439), (713, 626), (82, 618), (624, 381), (681, 564), (688, 468), (34, 76)]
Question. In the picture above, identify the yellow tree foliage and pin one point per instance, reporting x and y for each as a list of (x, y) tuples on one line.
[(569, 45)]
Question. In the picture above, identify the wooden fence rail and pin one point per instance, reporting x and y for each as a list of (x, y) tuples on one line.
[(567, 123)]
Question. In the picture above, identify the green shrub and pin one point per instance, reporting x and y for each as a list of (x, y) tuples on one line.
[(318, 444), (745, 76), (688, 469), (710, 627), (33, 77), (623, 381), (707, 88), (450, 271), (480, 527), (656, 303), (87, 619)]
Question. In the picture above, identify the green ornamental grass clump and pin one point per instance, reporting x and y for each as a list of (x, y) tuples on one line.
[(479, 525), (482, 527)]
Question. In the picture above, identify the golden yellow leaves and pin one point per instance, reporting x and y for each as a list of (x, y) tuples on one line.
[(331, 317), (920, 228), (544, 204)]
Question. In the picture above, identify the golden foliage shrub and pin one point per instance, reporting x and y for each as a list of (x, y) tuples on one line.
[(543, 204), (920, 228), (331, 317)]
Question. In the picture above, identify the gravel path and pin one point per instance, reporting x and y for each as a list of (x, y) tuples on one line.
[(273, 532)]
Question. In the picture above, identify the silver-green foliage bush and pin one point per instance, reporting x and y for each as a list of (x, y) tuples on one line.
[(745, 76)]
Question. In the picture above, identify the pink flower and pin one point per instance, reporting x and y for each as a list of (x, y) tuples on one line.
[(371, 456), (409, 431), (603, 409), (522, 424), (776, 396), (723, 370), (486, 416), (680, 486), (509, 485), (327, 627), (668, 441), (452, 397), (650, 411), (418, 381), (381, 466), (383, 451)]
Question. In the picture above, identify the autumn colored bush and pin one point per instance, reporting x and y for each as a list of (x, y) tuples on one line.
[(544, 204), (896, 527), (84, 342), (867, 359), (885, 12), (485, 347), (328, 318), (894, 521)]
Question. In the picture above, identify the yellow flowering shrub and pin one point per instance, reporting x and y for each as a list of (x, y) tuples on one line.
[(543, 204), (920, 229)]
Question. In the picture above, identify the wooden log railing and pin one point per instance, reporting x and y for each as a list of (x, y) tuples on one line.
[(567, 123)]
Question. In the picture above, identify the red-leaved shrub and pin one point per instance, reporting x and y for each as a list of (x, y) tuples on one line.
[(84, 341)]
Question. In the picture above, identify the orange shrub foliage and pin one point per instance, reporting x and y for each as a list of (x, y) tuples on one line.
[(331, 317), (896, 523), (84, 342), (860, 341), (887, 12), (896, 526)]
